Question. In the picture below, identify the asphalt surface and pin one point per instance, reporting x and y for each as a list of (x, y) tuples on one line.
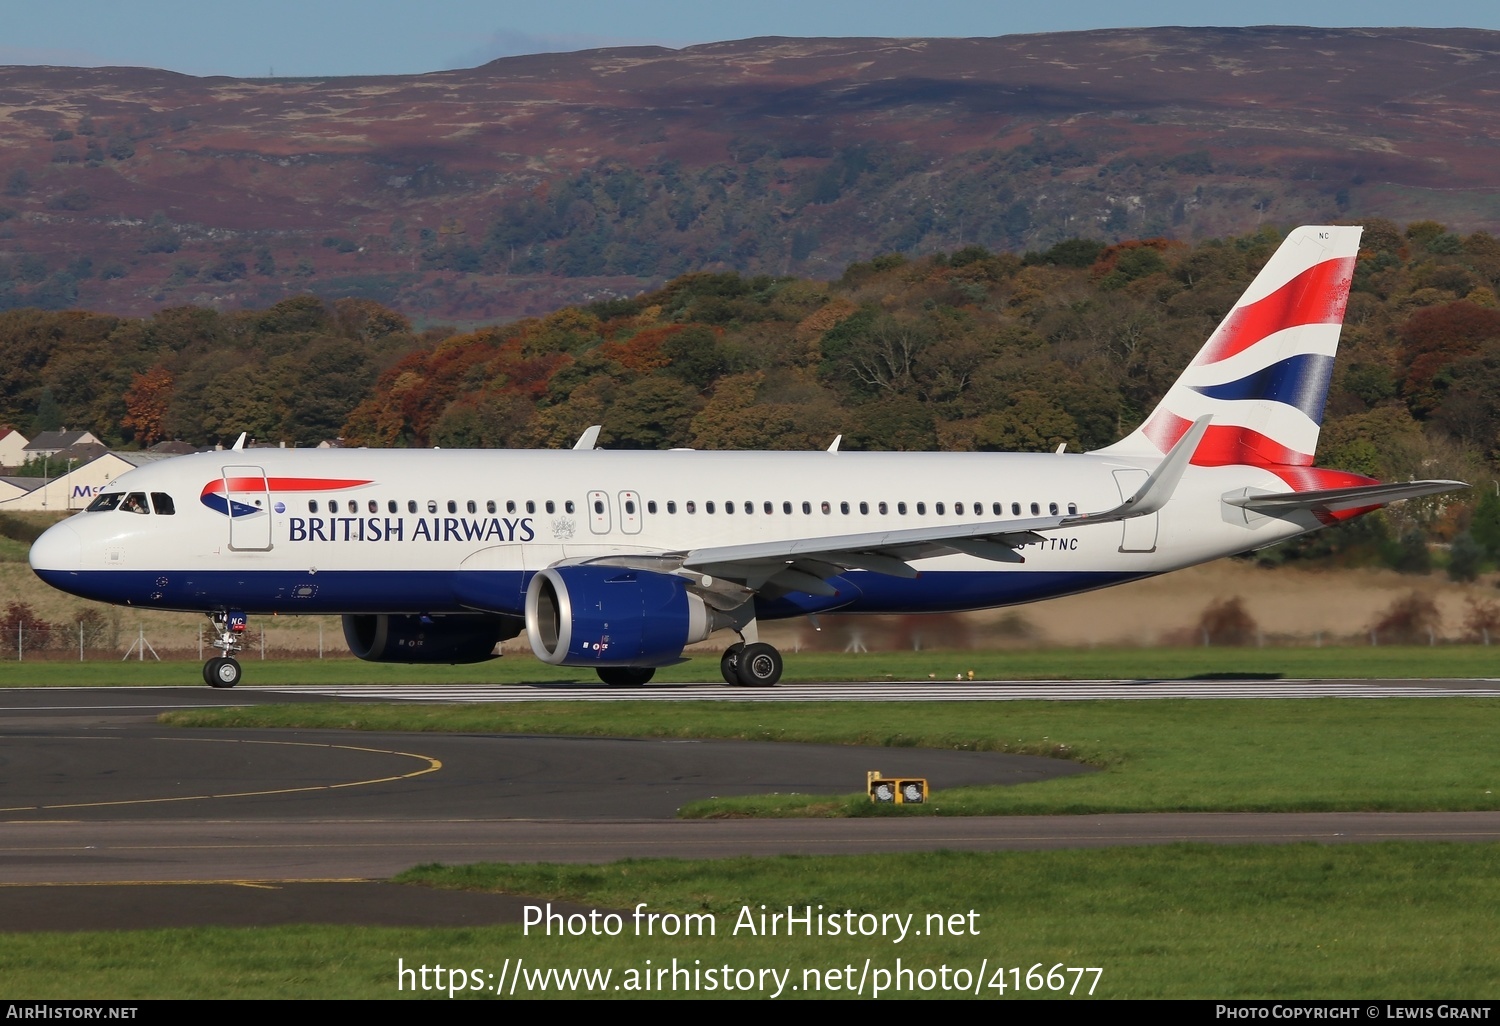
[(110, 821), (246, 827)]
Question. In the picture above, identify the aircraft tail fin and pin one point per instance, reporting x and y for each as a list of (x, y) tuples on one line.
[(1263, 374)]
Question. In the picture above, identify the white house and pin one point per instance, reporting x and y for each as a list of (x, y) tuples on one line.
[(50, 443), (12, 447)]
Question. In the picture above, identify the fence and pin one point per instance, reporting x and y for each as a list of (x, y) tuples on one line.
[(83, 641)]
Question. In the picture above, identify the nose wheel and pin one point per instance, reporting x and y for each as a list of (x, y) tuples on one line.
[(224, 671), (221, 672)]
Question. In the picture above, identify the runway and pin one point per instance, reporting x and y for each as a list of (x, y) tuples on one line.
[(913, 691), (94, 791)]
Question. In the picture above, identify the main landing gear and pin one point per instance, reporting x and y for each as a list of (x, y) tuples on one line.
[(754, 665), (224, 671), (626, 676)]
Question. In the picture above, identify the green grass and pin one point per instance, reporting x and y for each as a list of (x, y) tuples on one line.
[(1399, 921), (1166, 755), (1457, 661), (13, 551)]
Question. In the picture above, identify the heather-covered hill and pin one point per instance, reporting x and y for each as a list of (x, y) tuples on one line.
[(534, 182)]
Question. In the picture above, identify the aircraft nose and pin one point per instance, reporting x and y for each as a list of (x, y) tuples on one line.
[(59, 548)]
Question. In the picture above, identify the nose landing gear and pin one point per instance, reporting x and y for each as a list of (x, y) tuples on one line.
[(224, 671)]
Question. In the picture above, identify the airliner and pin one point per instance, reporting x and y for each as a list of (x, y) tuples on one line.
[(618, 561)]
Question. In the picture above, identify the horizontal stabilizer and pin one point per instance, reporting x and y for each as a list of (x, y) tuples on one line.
[(1337, 499)]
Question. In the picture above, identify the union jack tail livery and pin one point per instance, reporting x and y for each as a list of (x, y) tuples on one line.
[(1263, 375)]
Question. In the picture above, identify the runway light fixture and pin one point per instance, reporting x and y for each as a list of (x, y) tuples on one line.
[(885, 790)]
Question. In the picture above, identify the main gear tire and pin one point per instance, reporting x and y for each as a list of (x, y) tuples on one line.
[(626, 676), (729, 663), (759, 666)]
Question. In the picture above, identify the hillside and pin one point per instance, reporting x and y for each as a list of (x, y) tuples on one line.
[(533, 182)]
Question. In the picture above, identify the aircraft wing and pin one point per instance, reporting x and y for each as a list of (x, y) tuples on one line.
[(727, 575)]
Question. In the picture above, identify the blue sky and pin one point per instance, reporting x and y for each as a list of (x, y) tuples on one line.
[(373, 37)]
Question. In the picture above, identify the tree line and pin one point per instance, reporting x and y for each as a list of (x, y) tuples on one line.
[(964, 350)]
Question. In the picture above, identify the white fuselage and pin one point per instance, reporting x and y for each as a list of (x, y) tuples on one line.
[(410, 531)]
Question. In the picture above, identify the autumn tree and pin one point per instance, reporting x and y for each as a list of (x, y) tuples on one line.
[(1433, 338), (146, 404)]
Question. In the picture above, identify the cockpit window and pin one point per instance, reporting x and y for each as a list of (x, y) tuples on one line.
[(162, 503), (105, 501), (135, 502)]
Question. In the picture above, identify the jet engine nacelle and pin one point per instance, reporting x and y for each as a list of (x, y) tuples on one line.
[(381, 638), (609, 616)]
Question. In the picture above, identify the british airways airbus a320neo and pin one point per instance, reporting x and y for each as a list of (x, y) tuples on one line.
[(618, 560)]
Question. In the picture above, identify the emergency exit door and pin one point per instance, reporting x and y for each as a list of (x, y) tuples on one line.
[(1139, 533)]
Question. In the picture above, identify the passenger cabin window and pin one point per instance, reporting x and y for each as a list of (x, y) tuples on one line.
[(650, 506), (374, 506), (1052, 508), (671, 505), (452, 506), (864, 509), (1015, 509), (391, 507), (104, 502), (1072, 509), (312, 505), (411, 505), (551, 506), (939, 509), (471, 506), (530, 506), (568, 506), (883, 508), (489, 507), (769, 508), (826, 507), (708, 507), (432, 505), (1036, 510), (921, 509), (807, 507), (901, 508), (786, 507), (162, 503), (510, 505), (135, 502), (997, 508), (333, 505), (728, 506)]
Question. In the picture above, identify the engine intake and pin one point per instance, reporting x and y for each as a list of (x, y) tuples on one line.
[(383, 638), (607, 616)]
